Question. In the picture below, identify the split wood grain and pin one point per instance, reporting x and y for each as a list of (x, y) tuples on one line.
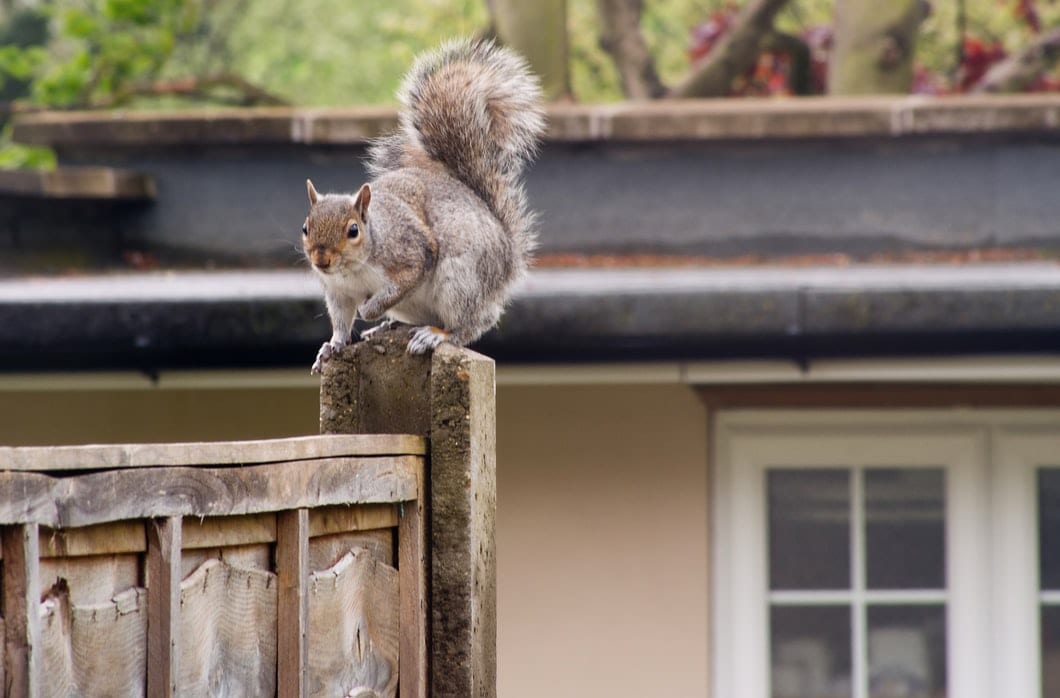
[(163, 606), (181, 491), (292, 612), (354, 628), (21, 601), (99, 457)]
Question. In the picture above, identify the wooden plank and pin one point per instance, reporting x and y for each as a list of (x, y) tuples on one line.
[(163, 606), (224, 531), (361, 517), (880, 395), (180, 491), (21, 605), (102, 539), (104, 457), (123, 537), (413, 611), (292, 613)]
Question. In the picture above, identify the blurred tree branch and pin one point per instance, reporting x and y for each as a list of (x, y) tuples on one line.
[(1020, 70), (234, 90), (752, 31), (621, 38), (735, 53)]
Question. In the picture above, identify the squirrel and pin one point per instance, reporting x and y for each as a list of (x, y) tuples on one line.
[(439, 235)]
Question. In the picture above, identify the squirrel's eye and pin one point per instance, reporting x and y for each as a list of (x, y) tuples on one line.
[(353, 231), (305, 229)]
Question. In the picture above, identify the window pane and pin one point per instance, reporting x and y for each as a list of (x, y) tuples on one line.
[(1051, 650), (809, 529), (811, 651), (907, 651), (1049, 527), (905, 530)]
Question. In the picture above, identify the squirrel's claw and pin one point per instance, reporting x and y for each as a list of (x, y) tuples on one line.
[(327, 350), (425, 339)]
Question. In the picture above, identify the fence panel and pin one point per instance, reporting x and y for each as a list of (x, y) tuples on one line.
[(291, 567)]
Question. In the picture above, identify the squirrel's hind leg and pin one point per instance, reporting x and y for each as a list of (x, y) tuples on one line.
[(427, 338)]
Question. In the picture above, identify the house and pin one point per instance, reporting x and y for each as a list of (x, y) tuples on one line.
[(778, 414)]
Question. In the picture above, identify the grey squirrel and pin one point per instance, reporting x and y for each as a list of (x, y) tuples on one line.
[(442, 231)]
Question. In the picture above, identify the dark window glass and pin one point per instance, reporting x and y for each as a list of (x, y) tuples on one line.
[(905, 528), (1051, 650), (811, 651), (907, 651), (809, 529), (1049, 528)]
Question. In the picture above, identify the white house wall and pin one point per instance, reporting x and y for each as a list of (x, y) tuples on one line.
[(602, 541)]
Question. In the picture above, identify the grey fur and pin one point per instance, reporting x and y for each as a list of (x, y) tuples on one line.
[(445, 229)]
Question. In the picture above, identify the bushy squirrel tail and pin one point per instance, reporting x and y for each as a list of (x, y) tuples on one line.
[(475, 107)]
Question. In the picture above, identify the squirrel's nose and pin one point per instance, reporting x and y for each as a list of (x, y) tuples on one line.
[(321, 261)]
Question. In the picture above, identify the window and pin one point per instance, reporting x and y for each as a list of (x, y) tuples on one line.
[(857, 562), (876, 555)]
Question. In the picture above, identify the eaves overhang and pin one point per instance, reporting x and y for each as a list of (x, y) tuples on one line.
[(241, 319)]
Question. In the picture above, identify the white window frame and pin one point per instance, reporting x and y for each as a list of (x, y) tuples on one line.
[(1018, 451), (989, 457)]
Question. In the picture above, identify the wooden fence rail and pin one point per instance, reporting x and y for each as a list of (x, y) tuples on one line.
[(291, 567)]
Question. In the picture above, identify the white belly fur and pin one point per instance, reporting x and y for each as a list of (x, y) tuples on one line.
[(418, 307)]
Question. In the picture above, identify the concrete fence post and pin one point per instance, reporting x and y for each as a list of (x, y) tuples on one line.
[(376, 387)]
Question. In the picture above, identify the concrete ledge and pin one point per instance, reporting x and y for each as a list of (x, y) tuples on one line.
[(278, 319), (78, 183), (695, 120)]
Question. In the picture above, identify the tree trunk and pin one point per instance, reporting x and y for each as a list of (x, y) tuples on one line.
[(874, 46), (538, 30), (620, 36), (735, 53), (1019, 71)]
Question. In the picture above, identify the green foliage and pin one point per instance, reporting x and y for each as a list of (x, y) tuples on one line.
[(327, 52), (104, 47), (14, 156), (321, 52), (22, 52), (337, 52)]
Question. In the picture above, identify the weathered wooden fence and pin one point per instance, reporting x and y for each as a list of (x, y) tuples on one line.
[(289, 567), (244, 568)]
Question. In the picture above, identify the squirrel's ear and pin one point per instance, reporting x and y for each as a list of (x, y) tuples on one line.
[(364, 197), (313, 196)]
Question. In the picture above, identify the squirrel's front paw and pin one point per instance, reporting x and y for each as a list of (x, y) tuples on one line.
[(327, 350), (425, 339)]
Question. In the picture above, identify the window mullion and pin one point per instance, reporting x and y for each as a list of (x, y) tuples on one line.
[(859, 653)]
